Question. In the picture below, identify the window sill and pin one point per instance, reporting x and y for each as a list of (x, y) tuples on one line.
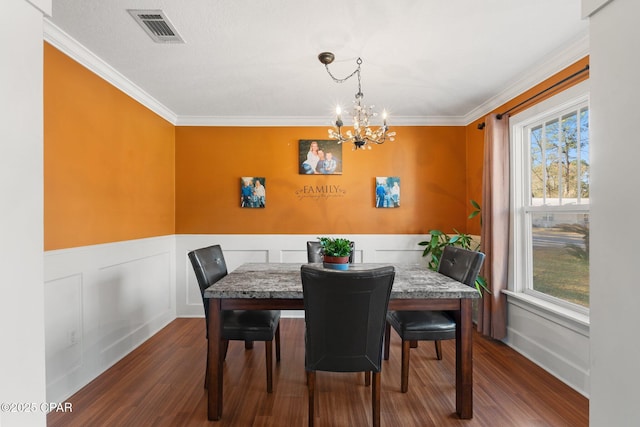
[(570, 319)]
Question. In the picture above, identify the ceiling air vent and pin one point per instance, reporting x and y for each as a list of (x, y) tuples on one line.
[(157, 25)]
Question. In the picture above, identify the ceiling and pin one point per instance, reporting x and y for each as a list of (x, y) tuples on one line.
[(425, 61)]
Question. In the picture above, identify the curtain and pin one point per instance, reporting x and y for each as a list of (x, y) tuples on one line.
[(492, 308)]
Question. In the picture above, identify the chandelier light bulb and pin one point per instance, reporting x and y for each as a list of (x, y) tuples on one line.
[(338, 119)]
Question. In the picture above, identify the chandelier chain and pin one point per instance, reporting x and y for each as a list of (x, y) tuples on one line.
[(356, 71)]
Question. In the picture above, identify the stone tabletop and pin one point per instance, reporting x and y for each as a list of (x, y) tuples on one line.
[(282, 280)]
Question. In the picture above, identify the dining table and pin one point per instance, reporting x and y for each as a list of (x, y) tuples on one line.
[(278, 286)]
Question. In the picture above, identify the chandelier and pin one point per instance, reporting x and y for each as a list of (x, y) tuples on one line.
[(362, 134)]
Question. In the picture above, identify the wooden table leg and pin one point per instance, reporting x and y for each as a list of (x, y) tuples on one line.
[(214, 406), (464, 360)]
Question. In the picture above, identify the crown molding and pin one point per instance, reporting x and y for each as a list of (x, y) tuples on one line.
[(70, 47), (251, 121), (555, 62), (427, 121), (293, 121)]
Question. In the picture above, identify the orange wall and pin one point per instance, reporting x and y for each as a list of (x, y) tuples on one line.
[(475, 137), (108, 161), (430, 162), (115, 171)]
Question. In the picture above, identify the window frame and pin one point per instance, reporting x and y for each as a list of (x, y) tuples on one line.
[(520, 260)]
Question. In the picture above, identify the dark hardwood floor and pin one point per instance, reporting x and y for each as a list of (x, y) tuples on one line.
[(161, 384)]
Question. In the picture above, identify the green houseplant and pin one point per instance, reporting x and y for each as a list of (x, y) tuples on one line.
[(439, 239), (335, 252)]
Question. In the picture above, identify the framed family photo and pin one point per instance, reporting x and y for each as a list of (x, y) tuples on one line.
[(319, 157), (387, 192), (253, 193)]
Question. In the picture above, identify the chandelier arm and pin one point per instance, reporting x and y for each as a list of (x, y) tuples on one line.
[(375, 141)]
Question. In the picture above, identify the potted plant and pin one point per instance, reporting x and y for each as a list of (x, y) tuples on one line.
[(435, 245), (335, 252)]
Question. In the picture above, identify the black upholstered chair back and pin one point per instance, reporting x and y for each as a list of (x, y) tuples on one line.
[(460, 264), (345, 317), (209, 266), (351, 254), (314, 252)]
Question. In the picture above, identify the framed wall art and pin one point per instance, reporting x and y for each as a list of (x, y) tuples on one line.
[(319, 157), (387, 192), (253, 193)]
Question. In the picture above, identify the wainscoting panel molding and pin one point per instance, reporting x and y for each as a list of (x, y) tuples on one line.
[(101, 302)]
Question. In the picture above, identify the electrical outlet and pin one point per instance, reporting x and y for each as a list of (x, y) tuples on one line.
[(73, 337)]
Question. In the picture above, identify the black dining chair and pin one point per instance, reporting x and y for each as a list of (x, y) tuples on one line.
[(314, 251), (460, 264), (344, 324), (237, 325)]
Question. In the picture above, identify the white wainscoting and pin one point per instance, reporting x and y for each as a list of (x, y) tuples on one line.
[(101, 302), (239, 249), (552, 340)]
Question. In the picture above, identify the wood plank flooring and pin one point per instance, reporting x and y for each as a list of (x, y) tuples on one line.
[(161, 384)]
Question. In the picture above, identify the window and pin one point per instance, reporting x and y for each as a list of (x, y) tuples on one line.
[(550, 197)]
